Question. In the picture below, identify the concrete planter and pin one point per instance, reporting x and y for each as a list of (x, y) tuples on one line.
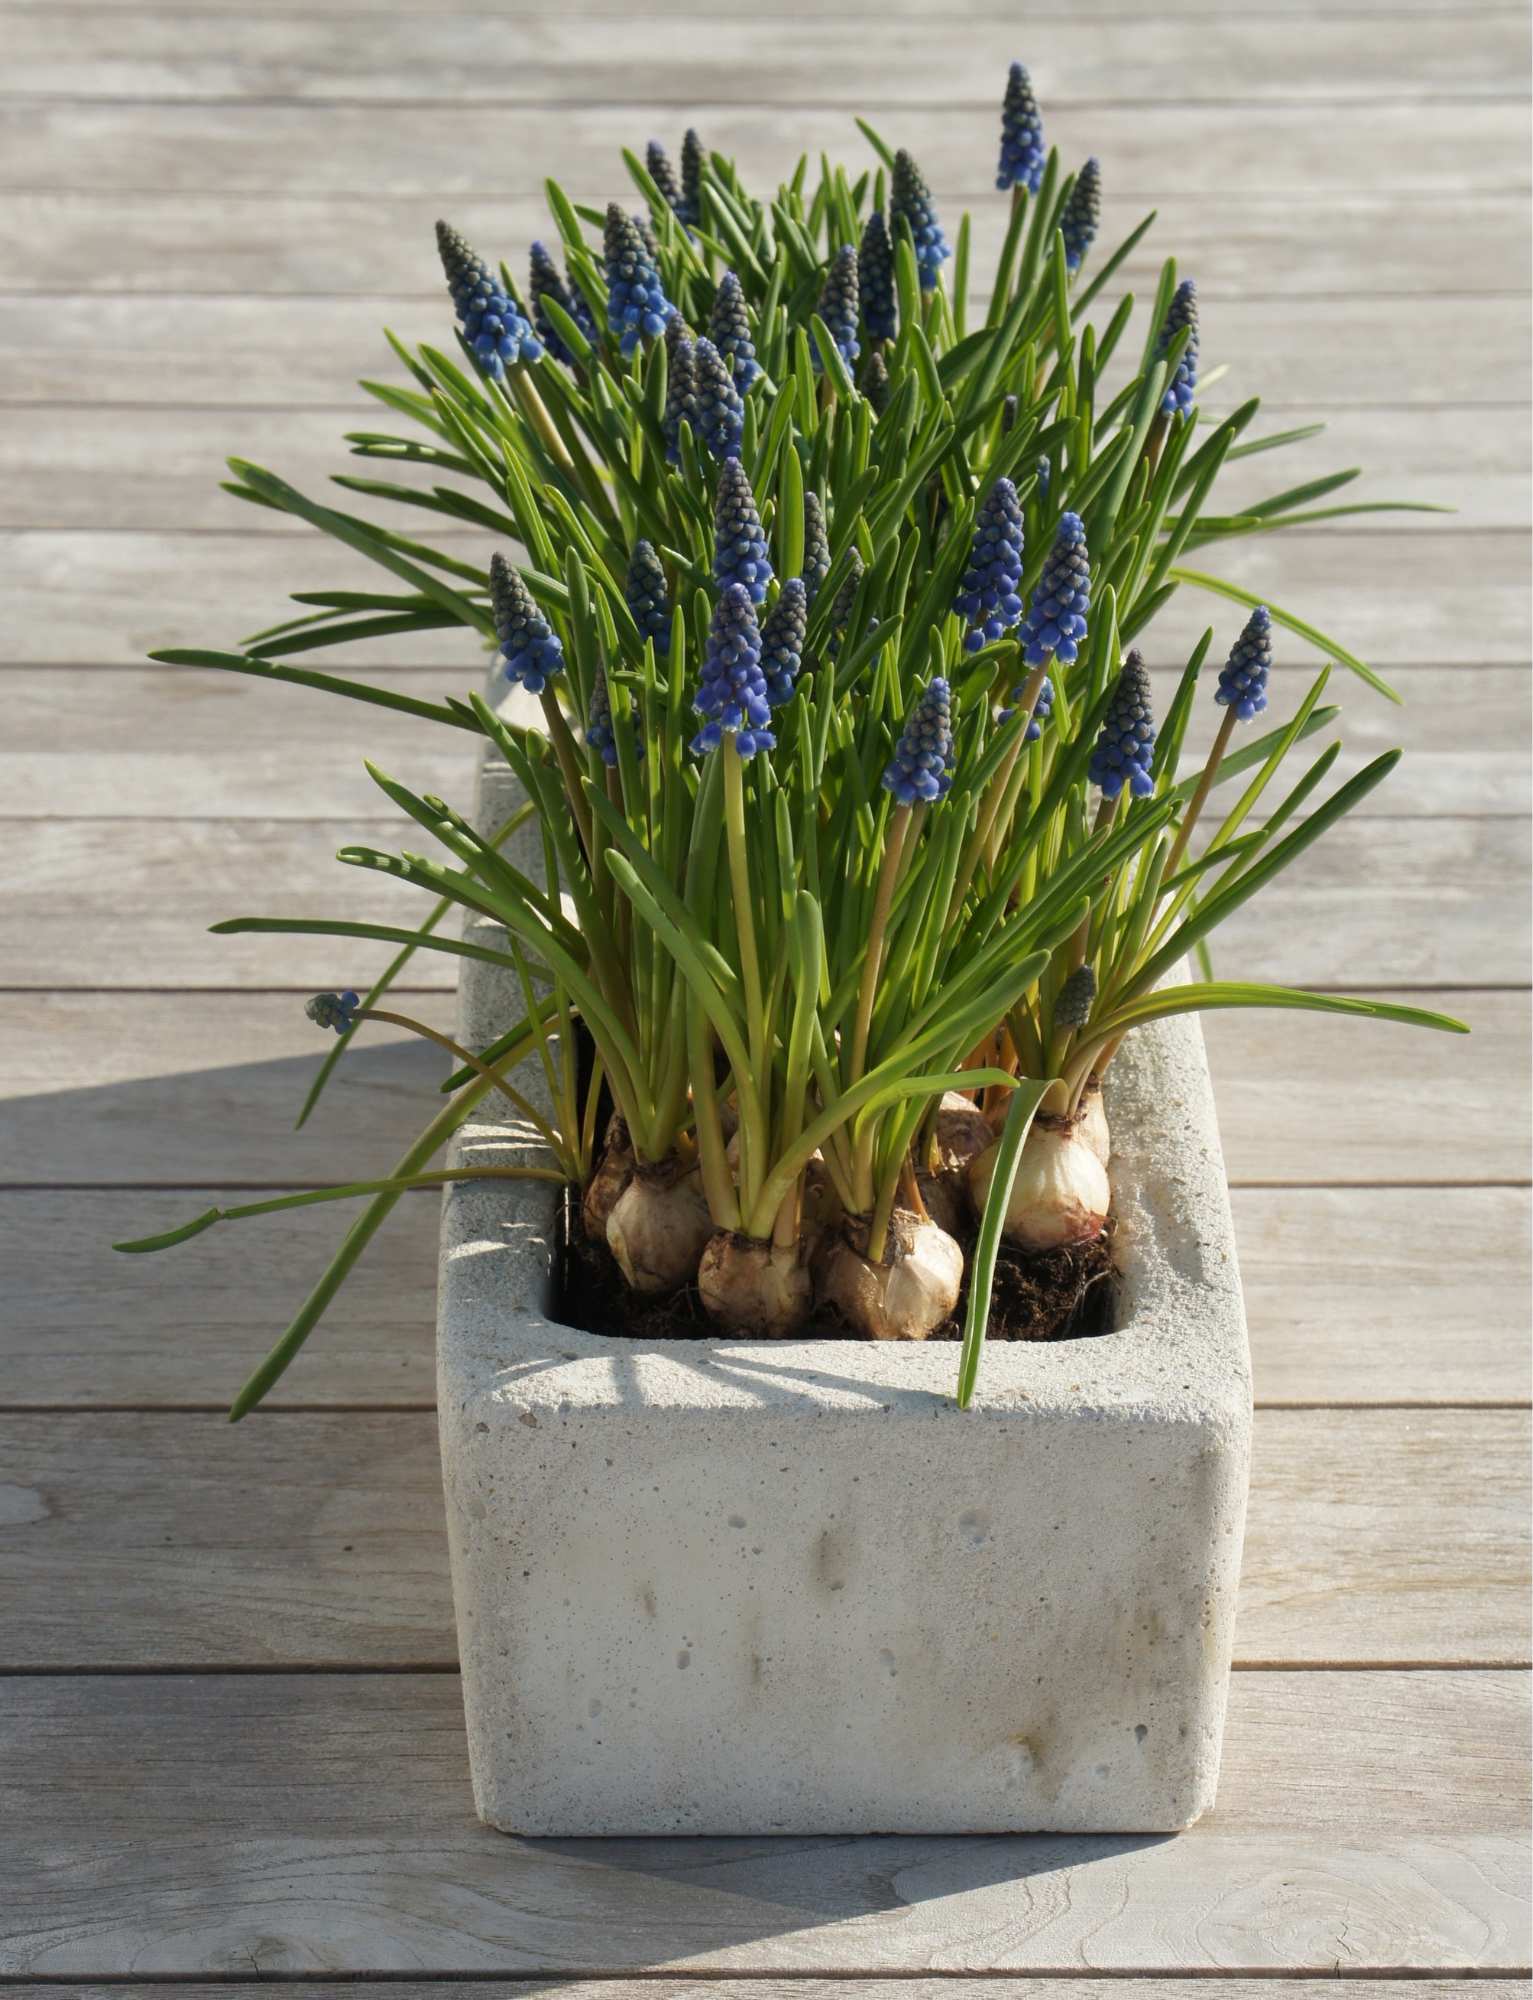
[(704, 1587)]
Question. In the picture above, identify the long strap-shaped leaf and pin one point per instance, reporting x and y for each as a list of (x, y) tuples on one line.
[(1025, 1099), (1219, 588), (269, 670)]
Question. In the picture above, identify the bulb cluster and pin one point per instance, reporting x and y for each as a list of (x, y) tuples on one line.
[(733, 689), (1082, 213), (1243, 680), (720, 420), (922, 766), (875, 278), (988, 599), (543, 283), (1183, 311), (493, 325), (333, 1010), (910, 197), (1125, 749), (838, 308), (645, 594), (637, 307), (1056, 619), (739, 544), (528, 643), (782, 641), (1022, 154), (729, 330)]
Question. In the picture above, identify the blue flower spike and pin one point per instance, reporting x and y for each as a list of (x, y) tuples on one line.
[(838, 308), (816, 546), (680, 385), (1083, 213), (1056, 619), (733, 690), (921, 769), (911, 198), (1126, 747), (782, 641), (689, 210), (1073, 1002), (1022, 154), (845, 598), (637, 307), (730, 331), (543, 283), (1243, 680), (646, 596), (493, 325), (1183, 311), (739, 546), (663, 174), (333, 1010), (599, 723), (875, 382), (528, 643), (720, 421), (988, 598), (875, 279)]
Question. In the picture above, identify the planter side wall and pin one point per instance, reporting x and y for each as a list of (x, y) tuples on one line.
[(707, 1587)]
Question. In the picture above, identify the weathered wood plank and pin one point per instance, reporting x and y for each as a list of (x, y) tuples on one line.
[(1468, 12), (130, 467), (1159, 147), (1372, 1535), (297, 350), (105, 598), (299, 1824), (168, 742), (545, 58), (126, 902), (1401, 1295), (1070, 1986), (148, 242)]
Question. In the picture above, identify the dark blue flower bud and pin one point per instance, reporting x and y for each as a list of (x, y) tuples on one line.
[(493, 326), (637, 307), (332, 1010), (1045, 473), (816, 546), (1042, 709), (689, 209), (733, 692), (1073, 1001), (1183, 311), (875, 382), (875, 279), (730, 331), (646, 596), (1056, 619), (922, 765), (1125, 749), (662, 173), (528, 643), (989, 598), (838, 308), (720, 412), (1243, 681), (1083, 213), (739, 546), (680, 385), (1022, 154), (911, 198), (599, 724), (782, 641), (545, 283)]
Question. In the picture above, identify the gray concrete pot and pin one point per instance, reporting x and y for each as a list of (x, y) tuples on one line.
[(707, 1587)]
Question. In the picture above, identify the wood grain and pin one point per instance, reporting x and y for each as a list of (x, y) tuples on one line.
[(323, 1825), (1069, 1986), (543, 58), (318, 1540)]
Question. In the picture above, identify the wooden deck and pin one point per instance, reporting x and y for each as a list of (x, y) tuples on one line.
[(233, 1746)]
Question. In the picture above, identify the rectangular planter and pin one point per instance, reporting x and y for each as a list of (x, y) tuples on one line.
[(707, 1587)]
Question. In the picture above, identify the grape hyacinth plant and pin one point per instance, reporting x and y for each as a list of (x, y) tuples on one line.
[(787, 867)]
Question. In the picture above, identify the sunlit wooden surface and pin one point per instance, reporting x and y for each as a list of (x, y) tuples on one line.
[(232, 1734)]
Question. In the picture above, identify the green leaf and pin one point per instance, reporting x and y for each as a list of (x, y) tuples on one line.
[(1020, 1112), (1219, 588), (244, 663)]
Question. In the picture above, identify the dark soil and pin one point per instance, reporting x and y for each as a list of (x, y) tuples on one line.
[(1049, 1295)]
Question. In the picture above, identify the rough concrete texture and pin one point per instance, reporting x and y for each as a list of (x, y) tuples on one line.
[(705, 1587)]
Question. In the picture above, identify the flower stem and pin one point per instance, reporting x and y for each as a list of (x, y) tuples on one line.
[(536, 411), (1199, 798), (887, 876), (569, 762)]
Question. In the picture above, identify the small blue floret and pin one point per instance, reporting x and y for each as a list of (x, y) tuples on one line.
[(733, 690), (1125, 749), (1183, 311), (988, 599), (911, 198), (1022, 155), (1243, 681), (1056, 619), (922, 766), (528, 643)]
